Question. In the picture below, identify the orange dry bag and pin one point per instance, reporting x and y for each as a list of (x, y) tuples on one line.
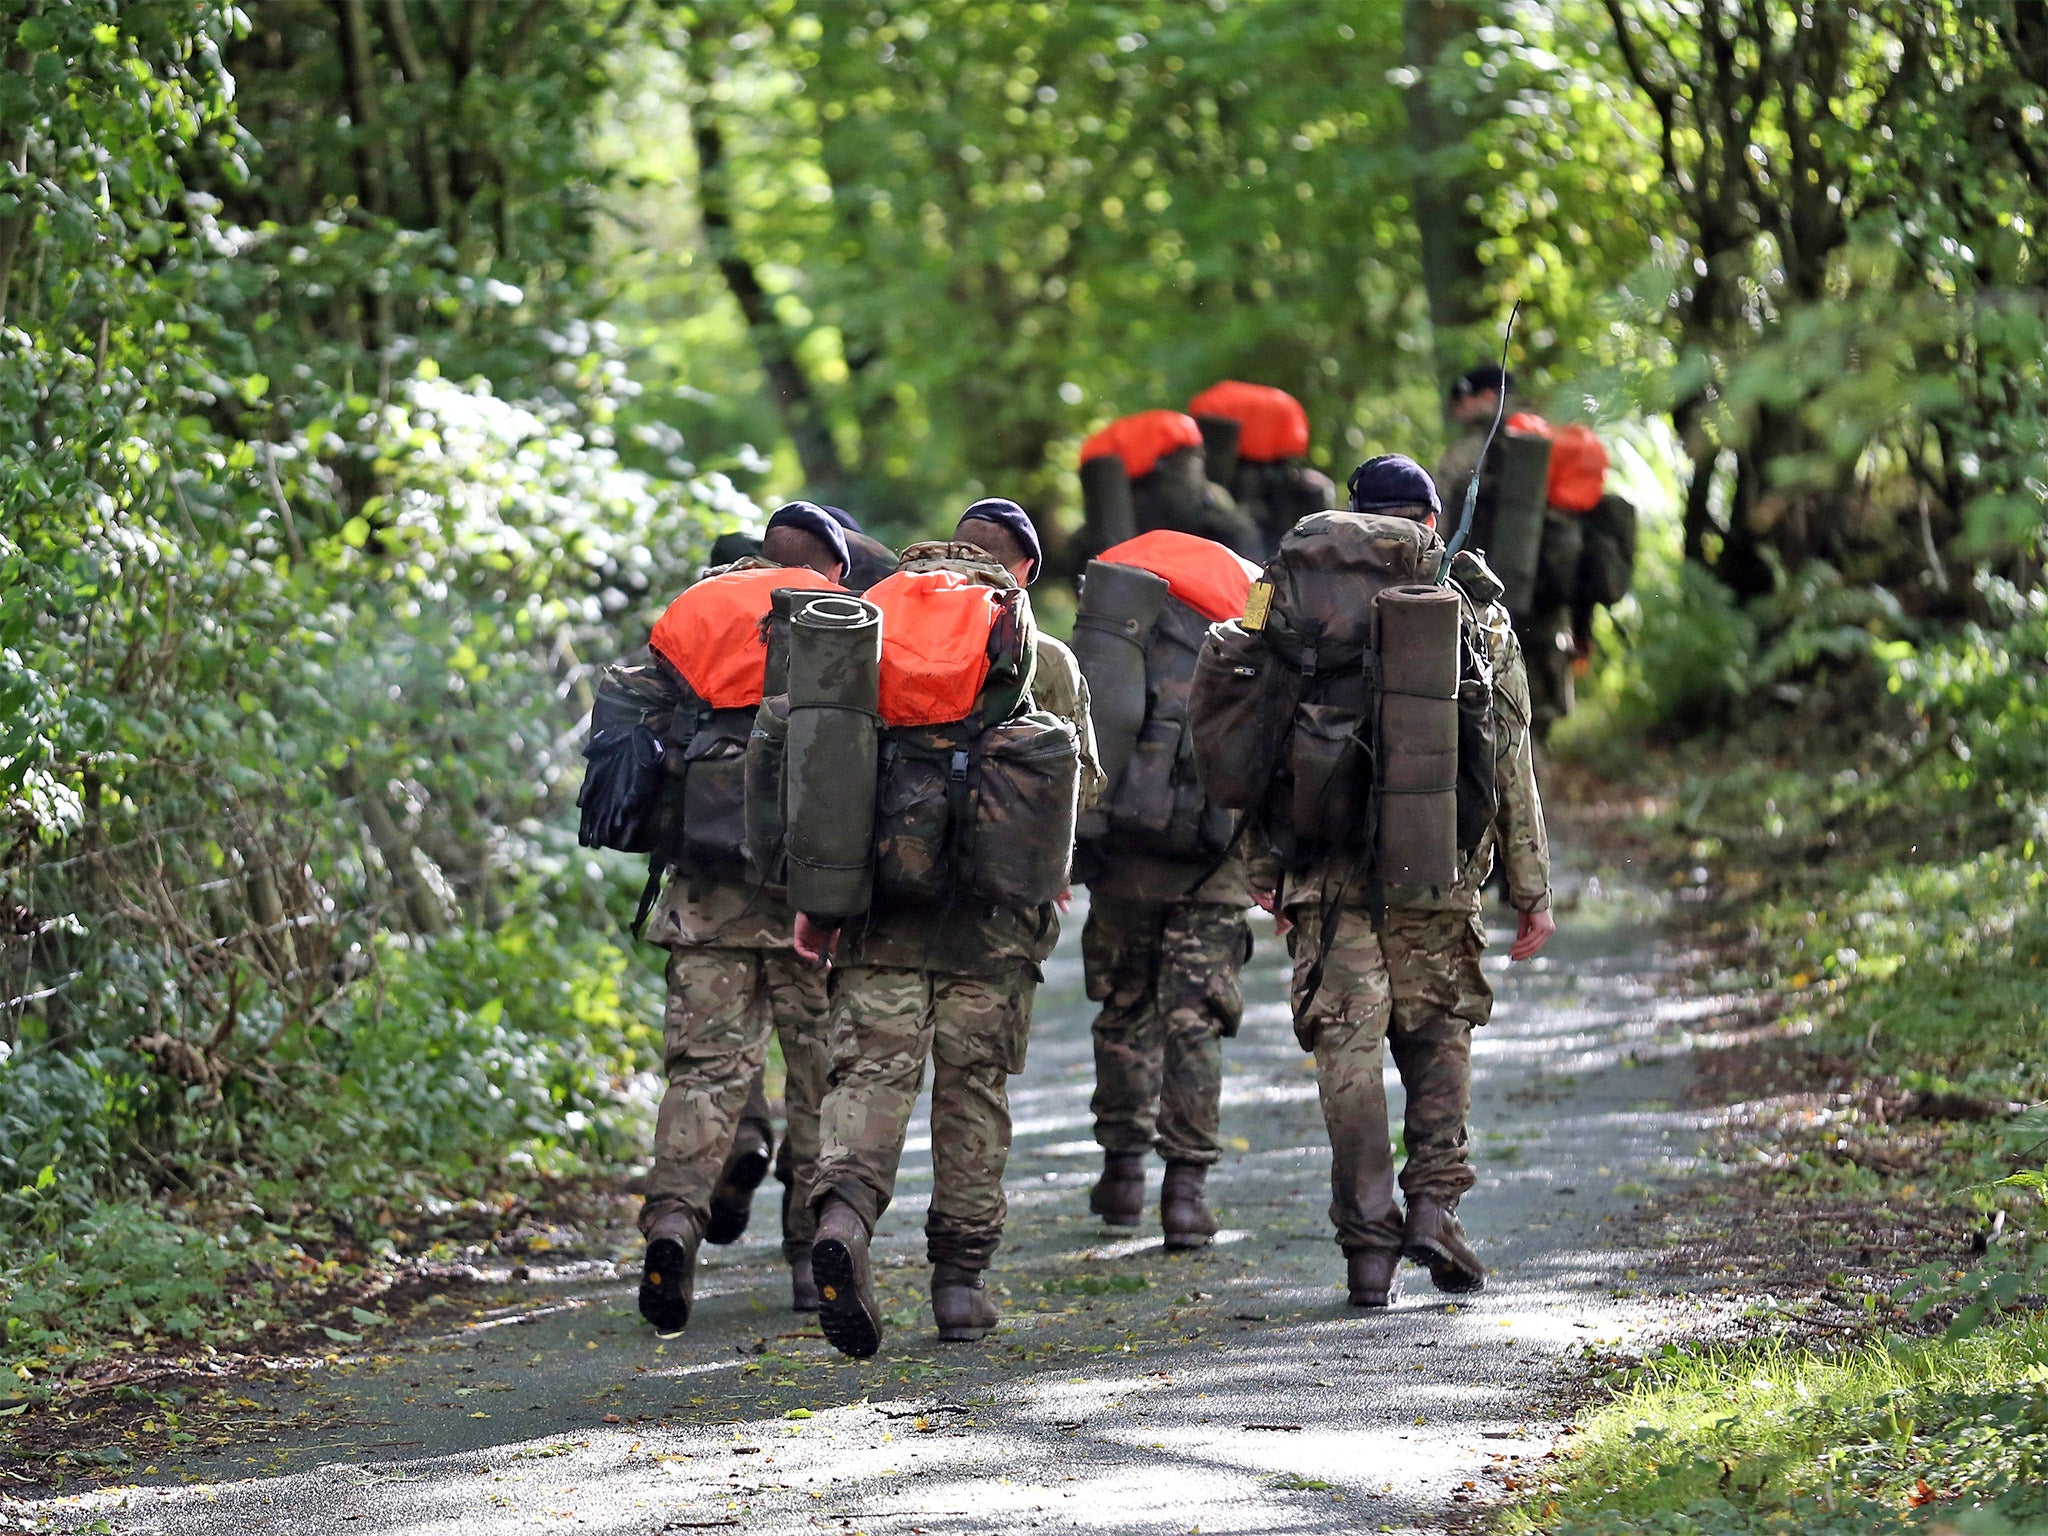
[(713, 635), (1208, 577)]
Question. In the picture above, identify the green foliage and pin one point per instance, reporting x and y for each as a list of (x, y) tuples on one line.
[(1891, 1436), (294, 637)]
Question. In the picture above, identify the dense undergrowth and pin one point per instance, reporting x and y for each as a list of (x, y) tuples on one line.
[(311, 529), (1874, 835)]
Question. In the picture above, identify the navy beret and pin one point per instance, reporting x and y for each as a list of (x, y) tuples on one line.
[(1393, 482), (809, 517), (1481, 380), (1009, 515), (843, 518)]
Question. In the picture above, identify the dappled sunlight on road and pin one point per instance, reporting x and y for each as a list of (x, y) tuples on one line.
[(1128, 1390)]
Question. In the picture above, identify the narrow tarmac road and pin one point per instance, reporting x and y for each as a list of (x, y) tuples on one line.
[(1127, 1391)]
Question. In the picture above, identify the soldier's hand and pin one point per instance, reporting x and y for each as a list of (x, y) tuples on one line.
[(813, 941), (1065, 900), (1280, 920), (1532, 932)]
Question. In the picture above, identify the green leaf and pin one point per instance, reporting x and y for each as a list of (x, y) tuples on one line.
[(340, 1337)]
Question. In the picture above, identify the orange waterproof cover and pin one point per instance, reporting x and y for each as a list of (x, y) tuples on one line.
[(1141, 441), (935, 629), (1529, 424), (1209, 578), (1578, 469), (712, 634), (1271, 422)]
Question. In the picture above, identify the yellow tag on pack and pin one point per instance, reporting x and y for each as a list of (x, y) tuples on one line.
[(1257, 604)]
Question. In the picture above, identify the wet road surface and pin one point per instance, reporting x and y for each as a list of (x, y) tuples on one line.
[(1226, 1391)]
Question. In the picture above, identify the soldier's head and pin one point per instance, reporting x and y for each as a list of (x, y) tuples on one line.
[(1475, 393), (1394, 485), (803, 533), (1003, 531)]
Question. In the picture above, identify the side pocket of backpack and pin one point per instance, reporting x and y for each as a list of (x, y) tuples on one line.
[(767, 748), (1241, 702)]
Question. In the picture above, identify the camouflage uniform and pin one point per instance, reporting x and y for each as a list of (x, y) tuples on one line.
[(1169, 975), (1416, 984), (732, 976), (951, 980)]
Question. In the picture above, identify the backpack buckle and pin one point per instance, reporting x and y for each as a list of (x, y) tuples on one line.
[(956, 769)]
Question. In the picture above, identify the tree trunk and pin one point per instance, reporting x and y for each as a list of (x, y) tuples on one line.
[(803, 414), (1451, 232)]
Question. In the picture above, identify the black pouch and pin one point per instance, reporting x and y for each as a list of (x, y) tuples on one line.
[(713, 768), (622, 788), (913, 814), (1478, 785), (1240, 701), (1332, 772), (1026, 783)]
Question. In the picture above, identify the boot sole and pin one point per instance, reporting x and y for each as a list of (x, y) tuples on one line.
[(1187, 1242), (1446, 1273), (665, 1285), (1119, 1219), (963, 1335), (847, 1324), (732, 1202)]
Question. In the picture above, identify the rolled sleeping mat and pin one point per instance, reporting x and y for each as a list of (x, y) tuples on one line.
[(1517, 534), (1219, 447), (1174, 493), (1106, 503), (1418, 802), (835, 679), (1119, 604)]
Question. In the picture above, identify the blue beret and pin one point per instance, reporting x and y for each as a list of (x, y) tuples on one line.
[(813, 519), (843, 518), (1013, 517), (1393, 482)]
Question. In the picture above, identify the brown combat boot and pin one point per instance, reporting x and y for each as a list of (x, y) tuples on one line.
[(1119, 1195), (960, 1304), (669, 1273), (1374, 1277), (732, 1199), (847, 1309), (1182, 1211), (803, 1288), (1433, 1238)]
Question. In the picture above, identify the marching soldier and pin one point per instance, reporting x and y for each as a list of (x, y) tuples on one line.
[(1376, 962), (951, 979), (732, 974), (1166, 938)]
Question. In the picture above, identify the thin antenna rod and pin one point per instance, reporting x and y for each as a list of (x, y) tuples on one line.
[(1472, 486)]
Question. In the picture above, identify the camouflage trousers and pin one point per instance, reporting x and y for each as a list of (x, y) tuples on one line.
[(1169, 976), (803, 1091), (885, 1022), (1416, 987), (722, 1003)]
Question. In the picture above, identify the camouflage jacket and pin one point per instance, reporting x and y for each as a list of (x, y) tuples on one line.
[(964, 936), (1517, 830), (725, 914)]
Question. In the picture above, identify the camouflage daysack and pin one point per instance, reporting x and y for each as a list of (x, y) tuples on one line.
[(1286, 701)]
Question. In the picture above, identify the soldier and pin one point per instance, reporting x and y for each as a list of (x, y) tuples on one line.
[(1474, 397), (731, 977), (1166, 938), (753, 1146), (1412, 978), (1433, 942), (952, 980)]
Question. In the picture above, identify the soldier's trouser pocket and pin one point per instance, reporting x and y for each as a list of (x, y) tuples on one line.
[(1345, 979)]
